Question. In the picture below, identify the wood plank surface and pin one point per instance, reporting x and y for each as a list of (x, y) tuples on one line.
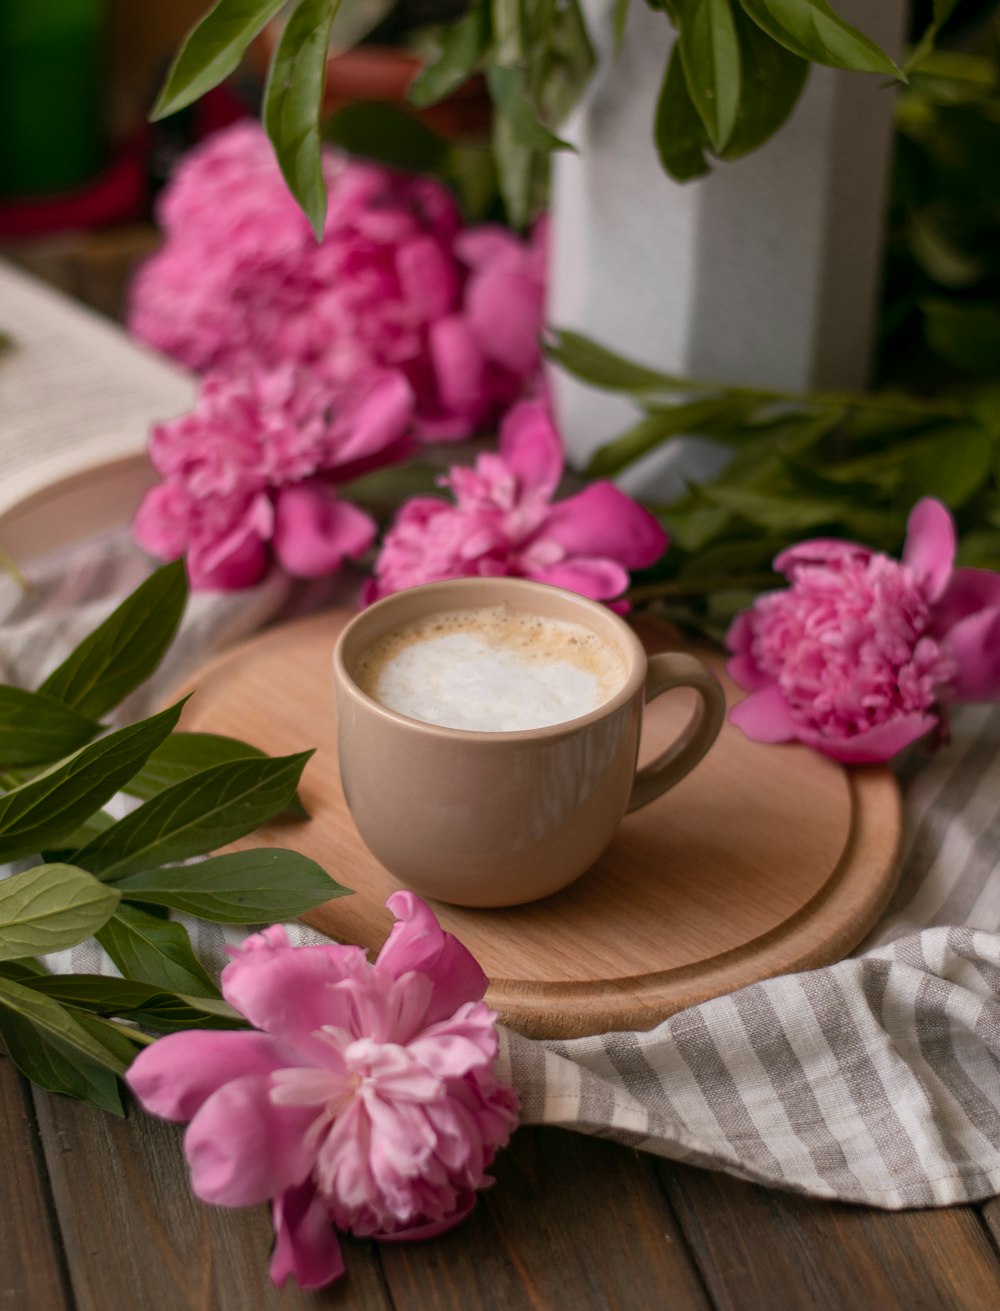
[(761, 1250), (572, 1224), (31, 1261), (137, 1240)]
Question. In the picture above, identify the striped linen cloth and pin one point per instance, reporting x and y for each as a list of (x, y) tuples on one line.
[(876, 1080)]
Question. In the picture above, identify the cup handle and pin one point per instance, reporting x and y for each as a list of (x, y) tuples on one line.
[(667, 671)]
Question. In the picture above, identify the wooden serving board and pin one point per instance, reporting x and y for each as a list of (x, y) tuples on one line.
[(766, 859)]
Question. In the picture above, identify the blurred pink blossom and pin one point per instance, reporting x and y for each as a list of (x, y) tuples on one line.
[(365, 1098), (856, 655), (504, 522), (395, 283), (253, 470)]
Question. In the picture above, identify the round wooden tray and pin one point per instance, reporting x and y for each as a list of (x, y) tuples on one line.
[(766, 859)]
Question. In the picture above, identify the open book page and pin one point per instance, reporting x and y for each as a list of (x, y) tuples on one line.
[(75, 391)]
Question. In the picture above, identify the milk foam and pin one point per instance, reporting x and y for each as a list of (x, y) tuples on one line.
[(492, 670)]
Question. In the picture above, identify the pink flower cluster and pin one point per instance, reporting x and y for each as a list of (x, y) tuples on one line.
[(254, 468), (504, 522), (396, 283), (364, 1100), (855, 656)]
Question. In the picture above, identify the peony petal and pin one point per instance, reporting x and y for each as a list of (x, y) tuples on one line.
[(306, 1246), (284, 991), (602, 521), (489, 245), (314, 531), (505, 311), (818, 551), (459, 367), (930, 545), (742, 668), (241, 566), (372, 428), (531, 448), (428, 277), (968, 591), (598, 579), (174, 1076), (243, 1149), (764, 715), (876, 744), (432, 1228), (417, 942), (974, 643), (452, 1047)]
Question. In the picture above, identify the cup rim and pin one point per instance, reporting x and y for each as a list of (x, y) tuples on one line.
[(631, 647)]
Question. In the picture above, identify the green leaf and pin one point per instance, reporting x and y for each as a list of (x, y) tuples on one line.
[(50, 908), (56, 1067), (245, 887), (811, 30), (951, 467), (621, 20), (389, 135), (91, 826), (122, 653), (52, 1019), (150, 950), (710, 51), (521, 171), (145, 1003), (941, 12), (292, 103), (562, 63), (35, 728), (509, 93), (462, 49), (681, 139), (120, 1041), (182, 756), (771, 83), (594, 364), (211, 51), (53, 804), (508, 31), (778, 514), (965, 333), (197, 815), (655, 429)]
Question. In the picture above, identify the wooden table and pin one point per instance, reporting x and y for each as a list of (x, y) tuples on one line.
[(95, 1215)]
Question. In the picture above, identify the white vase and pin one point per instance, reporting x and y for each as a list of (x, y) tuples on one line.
[(766, 272)]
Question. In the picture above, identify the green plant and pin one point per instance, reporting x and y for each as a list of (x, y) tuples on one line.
[(92, 875), (732, 77), (818, 464)]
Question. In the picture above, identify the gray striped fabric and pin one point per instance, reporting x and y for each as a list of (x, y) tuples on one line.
[(876, 1080)]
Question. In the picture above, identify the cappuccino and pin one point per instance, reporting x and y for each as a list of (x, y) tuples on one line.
[(491, 670)]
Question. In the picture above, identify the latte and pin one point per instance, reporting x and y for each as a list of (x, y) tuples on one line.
[(493, 670)]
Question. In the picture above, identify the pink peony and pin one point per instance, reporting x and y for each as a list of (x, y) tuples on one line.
[(364, 1100), (504, 523), (252, 469), (395, 283), (855, 656)]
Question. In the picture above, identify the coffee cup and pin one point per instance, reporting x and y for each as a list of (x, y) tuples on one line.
[(547, 689)]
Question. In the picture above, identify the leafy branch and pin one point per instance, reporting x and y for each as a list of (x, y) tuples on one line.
[(732, 76), (840, 464), (117, 880)]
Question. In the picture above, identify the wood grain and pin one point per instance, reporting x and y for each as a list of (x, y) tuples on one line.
[(572, 1224), (136, 1238), (759, 1250), (764, 860), (31, 1260)]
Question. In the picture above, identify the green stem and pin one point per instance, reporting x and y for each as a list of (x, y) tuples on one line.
[(884, 404)]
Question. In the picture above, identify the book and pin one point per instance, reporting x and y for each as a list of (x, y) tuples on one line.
[(77, 399)]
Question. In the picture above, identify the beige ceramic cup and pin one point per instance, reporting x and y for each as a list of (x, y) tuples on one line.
[(495, 819)]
